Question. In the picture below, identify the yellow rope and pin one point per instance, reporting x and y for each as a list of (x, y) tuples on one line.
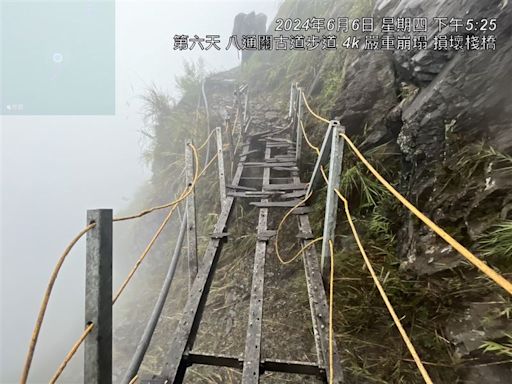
[(167, 205), (284, 262), (55, 272), (206, 141), (58, 266), (134, 379), (488, 271), (276, 242), (183, 195), (71, 353), (145, 252), (86, 332), (390, 308), (149, 210), (313, 147), (44, 303), (208, 165), (311, 111), (404, 335)]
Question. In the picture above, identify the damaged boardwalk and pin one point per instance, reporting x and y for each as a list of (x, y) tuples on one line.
[(265, 178), (275, 155)]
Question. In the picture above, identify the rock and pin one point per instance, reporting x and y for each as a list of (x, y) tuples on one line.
[(483, 320), (367, 95), (465, 103)]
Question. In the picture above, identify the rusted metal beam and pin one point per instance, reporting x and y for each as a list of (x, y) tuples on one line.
[(252, 354), (318, 302)]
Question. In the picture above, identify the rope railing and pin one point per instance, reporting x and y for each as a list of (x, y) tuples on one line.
[(182, 197), (475, 261), (382, 292), (81, 339), (166, 205), (69, 247), (488, 271), (44, 303), (71, 353)]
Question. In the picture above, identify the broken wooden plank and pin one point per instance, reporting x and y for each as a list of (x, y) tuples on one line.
[(286, 159), (302, 210), (261, 133), (241, 188), (277, 145), (266, 235), (279, 140), (294, 194), (285, 187), (279, 179), (252, 151), (305, 235), (287, 169), (250, 195), (219, 235), (270, 204), (253, 164), (270, 193)]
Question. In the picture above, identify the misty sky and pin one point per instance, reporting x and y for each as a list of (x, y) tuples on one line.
[(53, 168)]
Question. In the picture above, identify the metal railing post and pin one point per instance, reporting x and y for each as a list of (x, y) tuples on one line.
[(292, 99), (246, 106), (239, 108), (98, 298), (295, 111), (191, 216), (298, 144), (229, 134), (220, 162), (331, 206)]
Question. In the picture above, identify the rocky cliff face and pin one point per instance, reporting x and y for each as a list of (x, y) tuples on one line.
[(450, 114), (463, 101)]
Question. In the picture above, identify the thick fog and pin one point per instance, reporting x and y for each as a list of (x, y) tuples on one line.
[(54, 168)]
